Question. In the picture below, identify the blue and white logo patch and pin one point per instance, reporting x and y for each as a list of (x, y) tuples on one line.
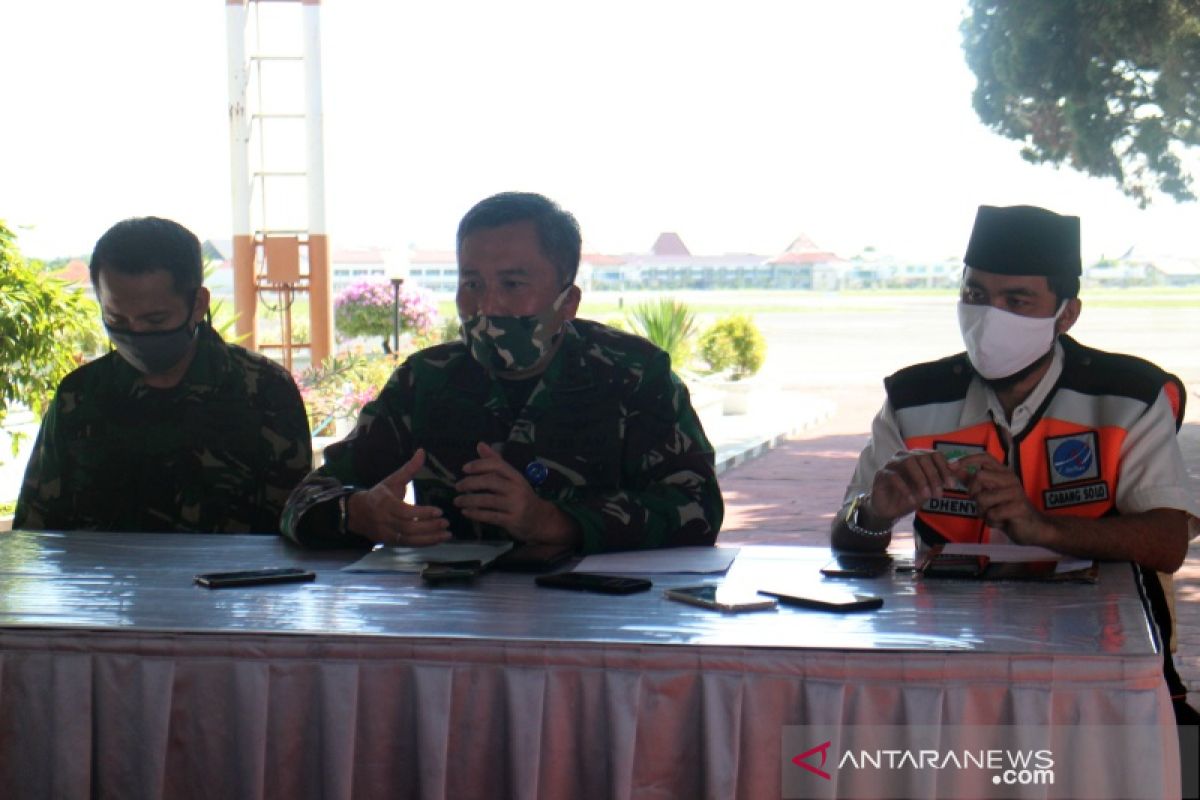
[(1072, 458)]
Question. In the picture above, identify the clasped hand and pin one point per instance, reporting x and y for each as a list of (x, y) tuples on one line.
[(495, 493), (492, 492), (912, 477)]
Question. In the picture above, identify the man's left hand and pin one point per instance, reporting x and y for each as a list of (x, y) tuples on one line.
[(1001, 498), (495, 493)]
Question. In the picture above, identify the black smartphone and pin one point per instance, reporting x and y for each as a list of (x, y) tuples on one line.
[(533, 558), (955, 566), (858, 565), (443, 571), (254, 577), (826, 599), (592, 582)]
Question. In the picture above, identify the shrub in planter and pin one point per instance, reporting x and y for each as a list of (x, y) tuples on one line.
[(735, 345)]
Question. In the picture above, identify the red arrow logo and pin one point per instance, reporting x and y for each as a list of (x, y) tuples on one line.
[(800, 761)]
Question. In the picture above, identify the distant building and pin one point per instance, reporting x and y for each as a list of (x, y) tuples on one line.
[(945, 274), (1177, 271), (803, 265), (435, 270), (870, 269), (671, 265), (1133, 268), (355, 265)]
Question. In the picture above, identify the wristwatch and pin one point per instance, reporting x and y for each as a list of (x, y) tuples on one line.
[(344, 509), (852, 513)]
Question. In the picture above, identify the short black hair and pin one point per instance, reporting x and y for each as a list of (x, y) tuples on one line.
[(1065, 287), (557, 230), (144, 244)]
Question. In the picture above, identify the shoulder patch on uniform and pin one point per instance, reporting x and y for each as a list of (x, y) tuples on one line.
[(1096, 372), (942, 381)]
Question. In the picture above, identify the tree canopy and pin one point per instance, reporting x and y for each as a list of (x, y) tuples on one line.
[(1109, 87)]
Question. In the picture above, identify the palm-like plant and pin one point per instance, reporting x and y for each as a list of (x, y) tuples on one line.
[(668, 324)]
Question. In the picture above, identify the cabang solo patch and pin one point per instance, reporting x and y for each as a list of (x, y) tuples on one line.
[(1073, 459)]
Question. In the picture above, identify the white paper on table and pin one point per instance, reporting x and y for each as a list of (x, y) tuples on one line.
[(1016, 553), (413, 559), (696, 560)]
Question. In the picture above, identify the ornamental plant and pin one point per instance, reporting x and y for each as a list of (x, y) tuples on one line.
[(734, 344), (338, 388), (667, 323), (47, 329), (366, 309)]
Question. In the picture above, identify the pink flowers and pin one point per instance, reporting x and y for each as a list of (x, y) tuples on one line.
[(365, 309)]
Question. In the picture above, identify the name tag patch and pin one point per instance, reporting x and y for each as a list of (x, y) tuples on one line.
[(951, 505), (1072, 458), (1076, 495), (953, 451)]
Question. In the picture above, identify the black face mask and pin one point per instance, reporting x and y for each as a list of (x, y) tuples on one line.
[(154, 352)]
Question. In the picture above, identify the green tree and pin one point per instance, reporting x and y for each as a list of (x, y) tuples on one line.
[(42, 326), (1109, 87)]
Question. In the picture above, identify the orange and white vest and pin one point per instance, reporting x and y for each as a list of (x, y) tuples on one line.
[(1069, 455)]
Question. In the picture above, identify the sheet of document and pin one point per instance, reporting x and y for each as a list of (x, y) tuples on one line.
[(1016, 553), (413, 559), (695, 560)]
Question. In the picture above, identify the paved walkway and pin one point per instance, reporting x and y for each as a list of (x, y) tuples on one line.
[(797, 486)]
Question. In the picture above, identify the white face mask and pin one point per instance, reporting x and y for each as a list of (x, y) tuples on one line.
[(1001, 343)]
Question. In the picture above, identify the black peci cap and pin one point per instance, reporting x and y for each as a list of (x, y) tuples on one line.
[(1024, 240)]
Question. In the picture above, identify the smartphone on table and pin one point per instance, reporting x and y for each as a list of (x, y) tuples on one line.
[(593, 582), (826, 598), (445, 571), (858, 565), (956, 565), (720, 598), (533, 558), (254, 577)]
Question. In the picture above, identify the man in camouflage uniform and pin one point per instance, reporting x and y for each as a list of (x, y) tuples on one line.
[(537, 427), (176, 430)]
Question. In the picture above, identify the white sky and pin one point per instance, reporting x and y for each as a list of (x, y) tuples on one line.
[(737, 125)]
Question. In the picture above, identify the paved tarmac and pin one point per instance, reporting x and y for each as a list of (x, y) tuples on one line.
[(788, 494)]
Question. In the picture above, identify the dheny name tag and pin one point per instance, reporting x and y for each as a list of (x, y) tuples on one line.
[(959, 507)]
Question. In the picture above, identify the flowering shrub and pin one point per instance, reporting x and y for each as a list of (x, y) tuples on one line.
[(340, 387), (365, 309)]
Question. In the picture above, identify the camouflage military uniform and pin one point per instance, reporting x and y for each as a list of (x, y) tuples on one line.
[(608, 434), (217, 453)]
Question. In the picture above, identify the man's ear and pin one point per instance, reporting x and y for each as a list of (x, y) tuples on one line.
[(200, 309), (1068, 317), (570, 305)]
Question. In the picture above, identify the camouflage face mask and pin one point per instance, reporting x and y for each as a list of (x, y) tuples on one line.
[(514, 344)]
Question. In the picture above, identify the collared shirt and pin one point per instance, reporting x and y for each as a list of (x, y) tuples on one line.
[(607, 434), (1152, 472)]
